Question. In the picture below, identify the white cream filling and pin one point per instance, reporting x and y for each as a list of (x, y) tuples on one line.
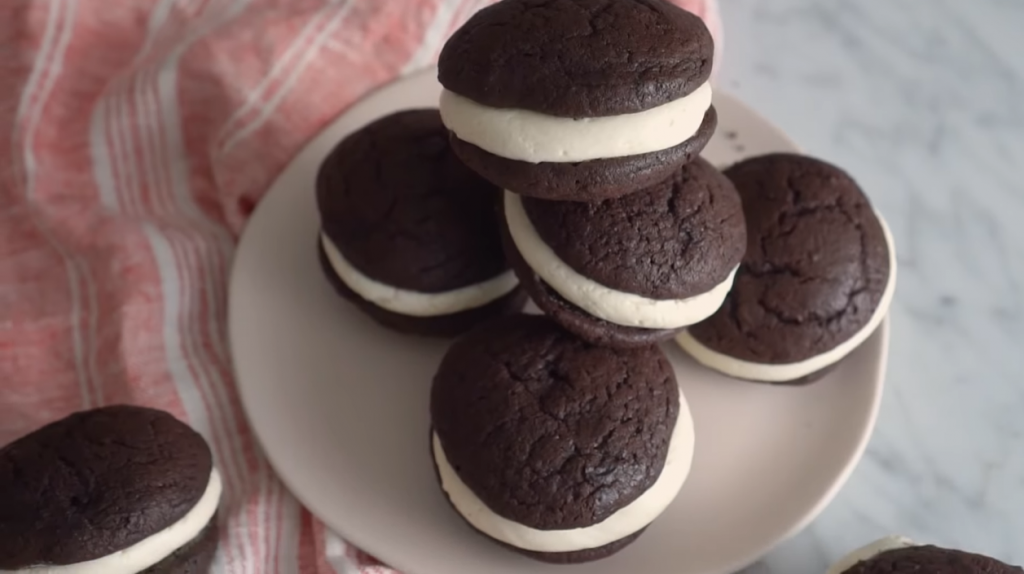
[(149, 551), (777, 373), (415, 303), (868, 552), (533, 137), (625, 521), (615, 306)]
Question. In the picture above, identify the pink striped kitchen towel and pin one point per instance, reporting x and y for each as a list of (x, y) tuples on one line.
[(139, 134)]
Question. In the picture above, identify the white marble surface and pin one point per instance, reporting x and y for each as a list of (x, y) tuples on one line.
[(923, 102)]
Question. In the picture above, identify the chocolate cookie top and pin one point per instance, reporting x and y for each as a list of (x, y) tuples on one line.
[(674, 240), (933, 560), (405, 211), (95, 483), (549, 431), (816, 265), (578, 58)]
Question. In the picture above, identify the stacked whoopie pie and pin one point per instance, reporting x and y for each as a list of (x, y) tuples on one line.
[(591, 116), (564, 436)]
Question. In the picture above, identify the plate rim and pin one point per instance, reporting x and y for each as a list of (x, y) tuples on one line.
[(838, 482)]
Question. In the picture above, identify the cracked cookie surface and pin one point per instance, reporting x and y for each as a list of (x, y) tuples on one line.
[(674, 240), (933, 560), (816, 264), (405, 211), (578, 58), (95, 483), (549, 431)]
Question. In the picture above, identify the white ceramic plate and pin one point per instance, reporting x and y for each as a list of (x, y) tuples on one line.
[(340, 405)]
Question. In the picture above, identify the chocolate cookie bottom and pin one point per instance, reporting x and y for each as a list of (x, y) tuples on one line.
[(802, 380), (576, 557), (192, 558), (797, 382), (579, 556), (573, 319), (439, 326), (807, 379), (588, 180)]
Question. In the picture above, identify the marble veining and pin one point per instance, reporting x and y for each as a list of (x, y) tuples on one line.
[(923, 102)]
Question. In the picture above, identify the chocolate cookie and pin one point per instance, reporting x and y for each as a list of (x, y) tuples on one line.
[(817, 278), (121, 480), (933, 560), (633, 270), (409, 231), (520, 73), (578, 58), (540, 438)]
